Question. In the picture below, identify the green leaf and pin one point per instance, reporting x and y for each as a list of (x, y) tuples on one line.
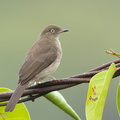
[(118, 99), (56, 98), (97, 92), (19, 113)]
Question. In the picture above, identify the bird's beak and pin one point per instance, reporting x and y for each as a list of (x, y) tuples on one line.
[(63, 30)]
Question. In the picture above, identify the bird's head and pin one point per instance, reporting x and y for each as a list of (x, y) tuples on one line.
[(52, 31)]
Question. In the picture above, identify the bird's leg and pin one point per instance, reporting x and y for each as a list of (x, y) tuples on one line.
[(52, 78)]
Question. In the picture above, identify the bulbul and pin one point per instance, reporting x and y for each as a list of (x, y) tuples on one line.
[(42, 59)]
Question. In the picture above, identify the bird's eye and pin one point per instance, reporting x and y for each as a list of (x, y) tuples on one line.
[(52, 30)]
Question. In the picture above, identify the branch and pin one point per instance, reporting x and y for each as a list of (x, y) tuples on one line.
[(35, 91)]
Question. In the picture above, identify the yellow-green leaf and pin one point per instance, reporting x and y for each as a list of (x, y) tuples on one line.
[(56, 98), (19, 113), (97, 92), (118, 99)]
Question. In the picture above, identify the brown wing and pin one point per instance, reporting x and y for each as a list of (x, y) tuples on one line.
[(38, 59)]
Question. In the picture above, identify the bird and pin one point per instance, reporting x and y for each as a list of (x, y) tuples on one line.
[(42, 59)]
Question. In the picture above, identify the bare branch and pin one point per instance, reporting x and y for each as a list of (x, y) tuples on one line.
[(35, 91)]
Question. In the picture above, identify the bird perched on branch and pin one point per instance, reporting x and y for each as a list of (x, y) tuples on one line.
[(42, 59)]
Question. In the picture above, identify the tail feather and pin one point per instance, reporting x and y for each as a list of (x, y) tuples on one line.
[(15, 97)]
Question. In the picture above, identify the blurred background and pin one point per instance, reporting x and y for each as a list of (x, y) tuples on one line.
[(94, 27)]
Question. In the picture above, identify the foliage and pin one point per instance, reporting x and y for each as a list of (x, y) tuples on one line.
[(20, 112)]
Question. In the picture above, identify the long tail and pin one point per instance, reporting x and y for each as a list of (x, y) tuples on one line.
[(15, 97)]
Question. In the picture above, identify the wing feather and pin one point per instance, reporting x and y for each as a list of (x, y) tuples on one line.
[(37, 60)]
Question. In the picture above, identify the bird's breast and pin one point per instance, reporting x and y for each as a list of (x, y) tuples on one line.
[(53, 66)]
